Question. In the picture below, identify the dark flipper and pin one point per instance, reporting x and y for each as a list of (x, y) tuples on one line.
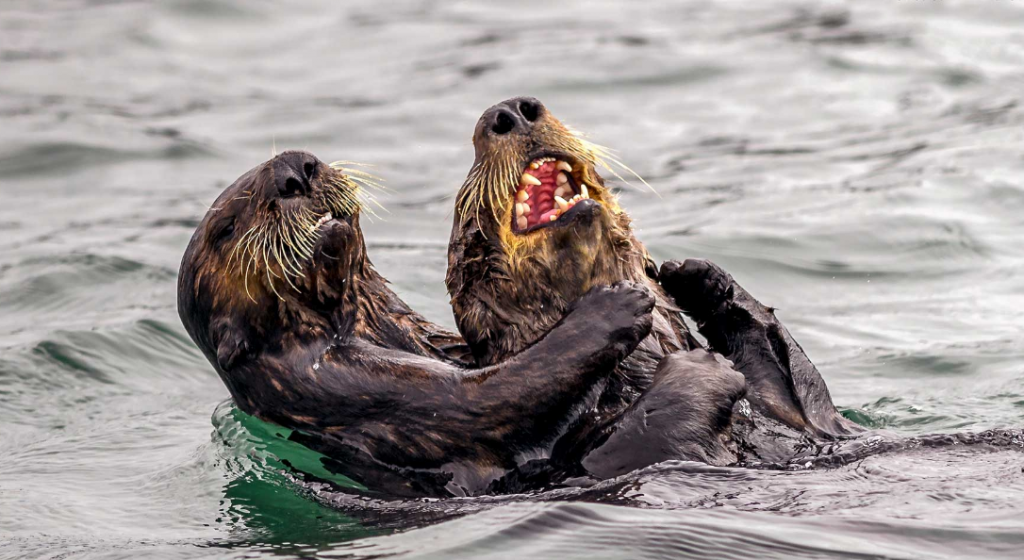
[(684, 415), (783, 383)]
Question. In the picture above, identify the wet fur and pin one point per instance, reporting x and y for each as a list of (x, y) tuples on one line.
[(506, 288), (784, 385), (337, 356)]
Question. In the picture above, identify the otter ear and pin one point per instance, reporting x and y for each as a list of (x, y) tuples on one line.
[(232, 347)]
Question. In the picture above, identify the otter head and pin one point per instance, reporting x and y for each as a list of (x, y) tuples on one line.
[(535, 228), (272, 260)]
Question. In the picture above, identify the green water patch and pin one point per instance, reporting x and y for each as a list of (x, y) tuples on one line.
[(262, 504)]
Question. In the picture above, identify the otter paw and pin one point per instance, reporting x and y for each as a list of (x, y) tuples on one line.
[(698, 286), (336, 238), (622, 309)]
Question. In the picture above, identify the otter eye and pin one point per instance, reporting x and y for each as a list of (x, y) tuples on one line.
[(224, 232)]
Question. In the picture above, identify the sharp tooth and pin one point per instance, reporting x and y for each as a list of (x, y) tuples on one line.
[(577, 197), (563, 166), (323, 220), (561, 179), (526, 209), (522, 196), (528, 179), (534, 165), (519, 210), (583, 191), (553, 217), (562, 204), (521, 222)]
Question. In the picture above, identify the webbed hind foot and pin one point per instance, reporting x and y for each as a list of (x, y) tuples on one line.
[(783, 383)]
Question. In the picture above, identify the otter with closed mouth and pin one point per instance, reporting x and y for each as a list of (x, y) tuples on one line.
[(535, 227), (276, 289)]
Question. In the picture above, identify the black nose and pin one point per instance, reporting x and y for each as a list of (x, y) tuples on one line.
[(294, 173), (513, 115)]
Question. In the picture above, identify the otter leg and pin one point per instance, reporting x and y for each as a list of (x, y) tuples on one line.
[(685, 414), (783, 383)]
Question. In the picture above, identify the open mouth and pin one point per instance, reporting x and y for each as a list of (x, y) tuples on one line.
[(323, 220), (548, 188)]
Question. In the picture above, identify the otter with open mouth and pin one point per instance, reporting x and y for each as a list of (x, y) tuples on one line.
[(535, 227), (277, 291)]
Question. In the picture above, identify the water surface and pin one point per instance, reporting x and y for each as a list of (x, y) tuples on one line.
[(859, 166)]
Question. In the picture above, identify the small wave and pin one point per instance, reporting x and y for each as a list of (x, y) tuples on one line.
[(62, 158), (596, 531)]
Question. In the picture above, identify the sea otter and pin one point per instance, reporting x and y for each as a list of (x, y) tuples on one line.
[(535, 228), (277, 291)]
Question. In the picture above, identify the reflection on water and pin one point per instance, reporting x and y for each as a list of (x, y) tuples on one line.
[(856, 165), (260, 501)]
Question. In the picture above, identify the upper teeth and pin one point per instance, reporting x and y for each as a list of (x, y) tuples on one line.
[(323, 220), (530, 180), (562, 197)]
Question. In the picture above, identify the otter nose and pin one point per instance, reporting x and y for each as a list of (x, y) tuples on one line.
[(513, 115), (294, 173)]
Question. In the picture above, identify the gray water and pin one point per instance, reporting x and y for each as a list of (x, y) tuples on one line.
[(860, 166)]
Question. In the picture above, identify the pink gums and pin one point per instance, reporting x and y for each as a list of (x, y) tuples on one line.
[(542, 196)]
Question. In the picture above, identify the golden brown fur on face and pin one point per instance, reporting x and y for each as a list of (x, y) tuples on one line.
[(279, 265), (509, 285), (272, 257)]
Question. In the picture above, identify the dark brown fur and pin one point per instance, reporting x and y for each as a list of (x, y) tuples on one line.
[(321, 345), (508, 287)]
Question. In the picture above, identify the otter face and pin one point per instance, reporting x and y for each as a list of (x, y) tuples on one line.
[(535, 229), (534, 188), (532, 175), (271, 258)]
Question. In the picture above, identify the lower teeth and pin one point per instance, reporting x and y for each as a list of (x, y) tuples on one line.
[(564, 199)]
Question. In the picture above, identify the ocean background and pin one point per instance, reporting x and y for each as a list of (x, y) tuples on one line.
[(858, 165)]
